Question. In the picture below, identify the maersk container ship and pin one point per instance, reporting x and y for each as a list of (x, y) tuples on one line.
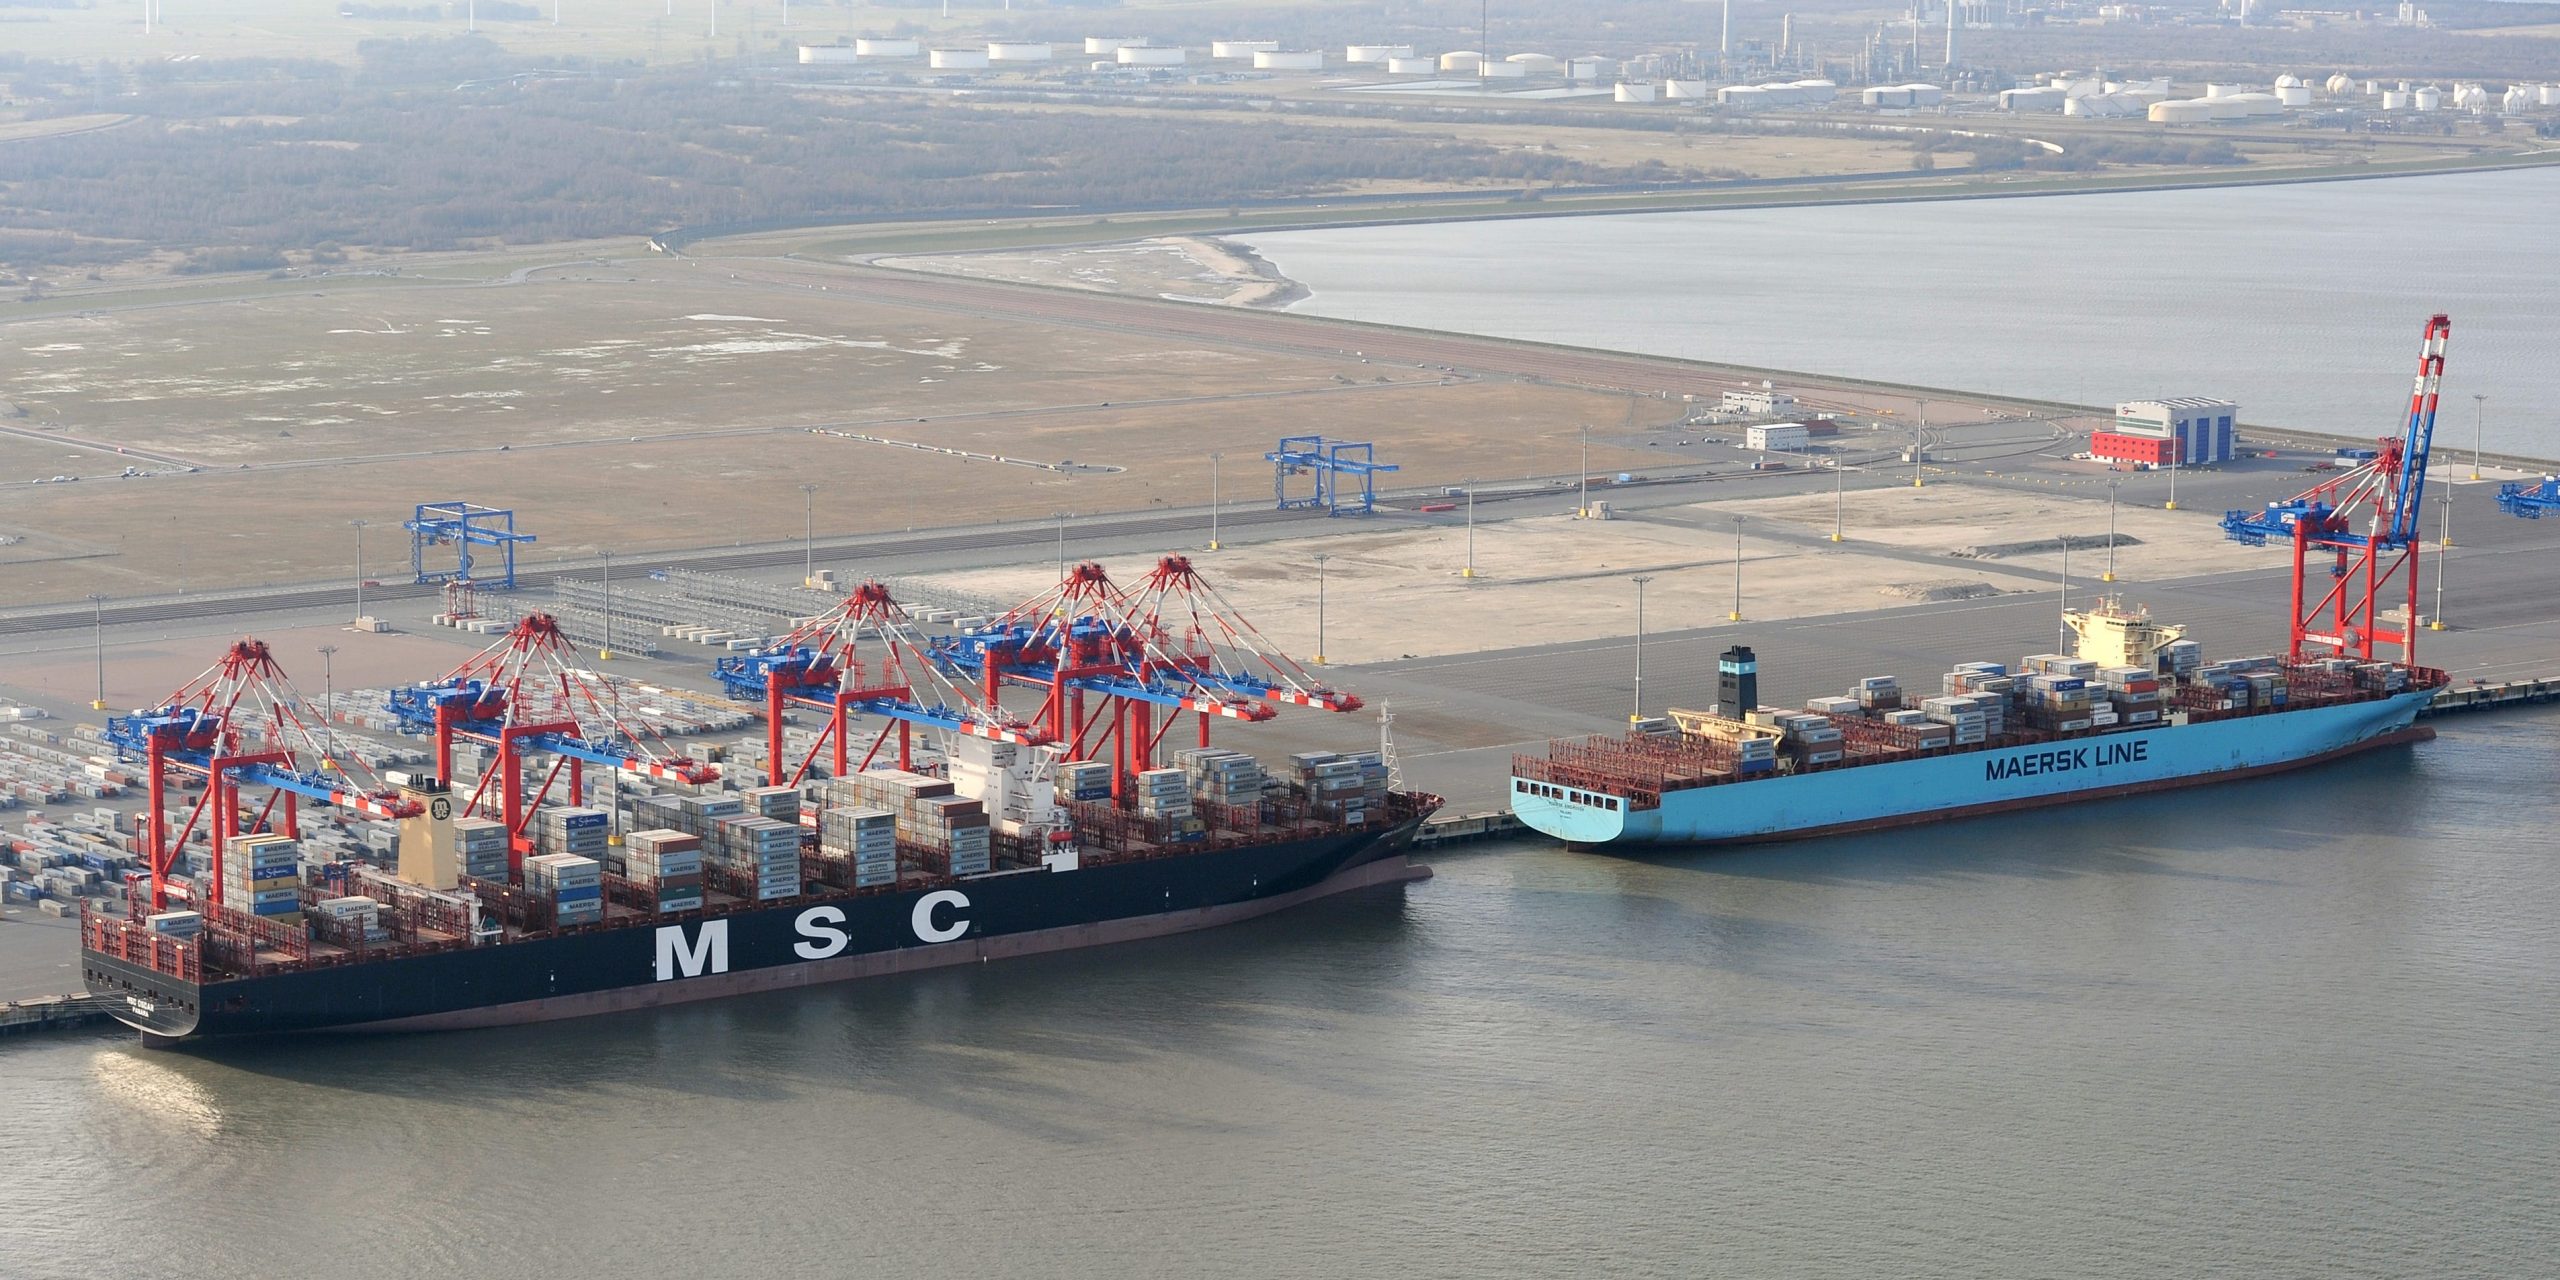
[(2138, 710), (489, 954)]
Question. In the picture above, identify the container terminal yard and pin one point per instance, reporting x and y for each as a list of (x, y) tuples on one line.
[(1477, 618)]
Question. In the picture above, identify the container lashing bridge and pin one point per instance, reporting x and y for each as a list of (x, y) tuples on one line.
[(240, 724), (2365, 523), (525, 696), (863, 656)]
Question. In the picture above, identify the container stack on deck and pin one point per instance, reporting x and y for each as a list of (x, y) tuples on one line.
[(580, 831), (262, 875), (1084, 780), (2058, 696), (355, 919), (1806, 737), (2133, 695), (782, 804), (1163, 793), (482, 844), (667, 864), (574, 886), (1222, 777), (939, 833), (865, 837), (1348, 787), (761, 854), (181, 925), (692, 815)]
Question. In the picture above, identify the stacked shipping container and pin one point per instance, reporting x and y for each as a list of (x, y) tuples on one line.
[(262, 875), (572, 885), (668, 864)]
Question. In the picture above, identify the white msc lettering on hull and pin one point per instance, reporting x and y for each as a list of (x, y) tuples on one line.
[(818, 925), (927, 930), (707, 953)]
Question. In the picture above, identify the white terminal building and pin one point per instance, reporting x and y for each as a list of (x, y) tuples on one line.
[(2200, 425), (1759, 404), (1778, 437)]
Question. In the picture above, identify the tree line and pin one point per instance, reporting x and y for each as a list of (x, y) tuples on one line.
[(282, 163)]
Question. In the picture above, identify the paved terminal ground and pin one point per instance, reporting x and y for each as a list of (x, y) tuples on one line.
[(1543, 642), (1540, 643)]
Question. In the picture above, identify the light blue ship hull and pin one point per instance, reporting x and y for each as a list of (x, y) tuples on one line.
[(1947, 786)]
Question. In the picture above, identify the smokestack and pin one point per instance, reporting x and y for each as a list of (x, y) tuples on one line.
[(1737, 682), (1955, 19), (1724, 49)]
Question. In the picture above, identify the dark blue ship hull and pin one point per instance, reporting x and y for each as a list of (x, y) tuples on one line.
[(801, 942)]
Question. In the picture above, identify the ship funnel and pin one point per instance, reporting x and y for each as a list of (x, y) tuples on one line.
[(1738, 682)]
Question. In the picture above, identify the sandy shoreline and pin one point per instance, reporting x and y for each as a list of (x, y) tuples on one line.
[(1180, 268), (1269, 288)]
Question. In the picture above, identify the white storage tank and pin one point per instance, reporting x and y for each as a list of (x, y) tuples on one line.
[(1926, 95), (2288, 82), (2394, 100), (2428, 99), (1536, 64), (1150, 56), (1591, 67), (957, 60), (2103, 106), (1412, 66), (1685, 90), (2547, 96), (1502, 70), (1111, 45), (2294, 95), (887, 48), (2516, 98), (1885, 95), (1461, 60), (2224, 90), (1240, 50), (2230, 108), (822, 54), (1816, 90), (2258, 104), (1016, 51), (1628, 92), (1742, 97), (1778, 93), (1289, 60), (2341, 85), (2180, 111), (1360, 54)]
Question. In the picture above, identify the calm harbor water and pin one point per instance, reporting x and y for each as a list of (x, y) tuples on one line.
[(2288, 1027), (2303, 303)]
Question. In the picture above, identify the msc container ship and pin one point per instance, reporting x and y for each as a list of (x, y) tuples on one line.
[(850, 894), (2138, 710)]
